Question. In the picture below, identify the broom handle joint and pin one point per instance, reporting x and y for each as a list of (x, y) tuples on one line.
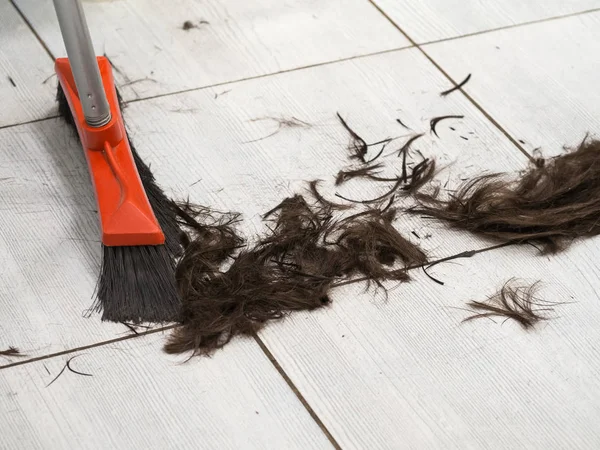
[(82, 59)]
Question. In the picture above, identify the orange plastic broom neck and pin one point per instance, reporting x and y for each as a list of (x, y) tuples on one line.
[(126, 217)]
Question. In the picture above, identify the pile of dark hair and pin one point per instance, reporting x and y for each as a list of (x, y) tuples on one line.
[(292, 268), (553, 202)]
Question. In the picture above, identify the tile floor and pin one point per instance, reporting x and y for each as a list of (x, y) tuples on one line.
[(367, 372)]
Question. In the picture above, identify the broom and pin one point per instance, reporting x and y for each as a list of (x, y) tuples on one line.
[(140, 234)]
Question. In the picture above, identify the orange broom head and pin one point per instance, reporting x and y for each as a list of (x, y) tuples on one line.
[(126, 217)]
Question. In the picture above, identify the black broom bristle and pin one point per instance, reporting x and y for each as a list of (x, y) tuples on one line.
[(161, 205), (137, 283)]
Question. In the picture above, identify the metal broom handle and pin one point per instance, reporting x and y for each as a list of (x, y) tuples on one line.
[(82, 59)]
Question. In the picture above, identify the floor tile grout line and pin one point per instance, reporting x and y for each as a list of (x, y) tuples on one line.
[(230, 82), (86, 347), (296, 391), (413, 43), (508, 27), (171, 327), (462, 90), (265, 349), (280, 72), (28, 23), (28, 122)]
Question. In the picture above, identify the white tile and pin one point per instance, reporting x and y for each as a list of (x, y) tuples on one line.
[(539, 82), (26, 92), (138, 397), (432, 20)]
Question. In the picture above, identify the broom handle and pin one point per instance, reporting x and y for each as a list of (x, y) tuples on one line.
[(82, 59)]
